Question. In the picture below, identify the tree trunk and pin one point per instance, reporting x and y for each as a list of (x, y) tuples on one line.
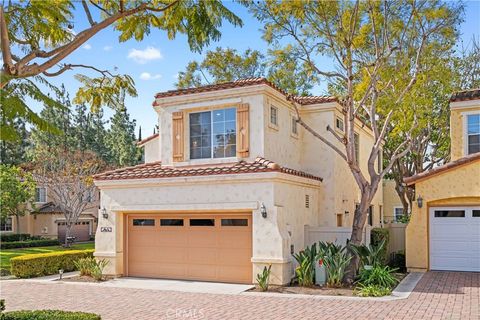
[(67, 235), (17, 221)]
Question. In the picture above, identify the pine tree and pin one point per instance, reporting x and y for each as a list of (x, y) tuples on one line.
[(15, 152)]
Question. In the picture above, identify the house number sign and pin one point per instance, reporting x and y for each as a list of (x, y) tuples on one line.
[(105, 229)]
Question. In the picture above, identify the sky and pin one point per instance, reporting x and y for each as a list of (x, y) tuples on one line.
[(155, 62)]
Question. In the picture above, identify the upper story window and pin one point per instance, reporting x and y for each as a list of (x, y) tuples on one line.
[(213, 134), (274, 115), (473, 133), (339, 124), (41, 194), (294, 126), (356, 141)]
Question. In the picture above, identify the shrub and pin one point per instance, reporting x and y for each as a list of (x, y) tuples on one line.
[(336, 259), (11, 237), (371, 255), (49, 315), (305, 271), (372, 291), (378, 276), (263, 278), (2, 305), (397, 261), (377, 235), (29, 244), (43, 264)]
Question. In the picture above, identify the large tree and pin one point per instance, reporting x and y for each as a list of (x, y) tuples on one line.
[(377, 51), (37, 37)]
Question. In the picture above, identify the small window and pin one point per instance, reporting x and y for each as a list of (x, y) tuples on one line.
[(143, 222), (274, 115), (476, 213), (40, 194), (6, 224), (294, 126), (202, 222), (339, 124), (171, 222), (473, 133), (356, 141), (397, 213), (339, 220), (234, 222), (449, 213)]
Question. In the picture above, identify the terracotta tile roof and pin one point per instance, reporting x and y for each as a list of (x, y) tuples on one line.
[(142, 142), (471, 94), (244, 83), (156, 170), (48, 207), (449, 166)]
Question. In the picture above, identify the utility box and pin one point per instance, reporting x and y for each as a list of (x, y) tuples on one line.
[(320, 273)]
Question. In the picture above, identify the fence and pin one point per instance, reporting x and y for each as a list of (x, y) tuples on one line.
[(397, 236), (339, 235)]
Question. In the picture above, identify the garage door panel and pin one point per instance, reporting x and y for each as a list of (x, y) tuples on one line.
[(201, 238), (201, 271), (226, 272), (233, 257), (234, 240), (156, 270), (203, 256)]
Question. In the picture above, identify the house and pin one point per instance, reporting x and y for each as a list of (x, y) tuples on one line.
[(229, 185), (393, 207), (47, 220), (444, 230)]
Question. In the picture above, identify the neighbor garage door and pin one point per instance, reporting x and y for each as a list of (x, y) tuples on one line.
[(455, 238), (80, 230), (211, 247)]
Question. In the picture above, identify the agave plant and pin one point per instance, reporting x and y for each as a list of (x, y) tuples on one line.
[(305, 271), (336, 259), (369, 255), (263, 278)]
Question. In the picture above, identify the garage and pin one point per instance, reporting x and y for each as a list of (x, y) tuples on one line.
[(194, 246), (455, 238), (80, 230)]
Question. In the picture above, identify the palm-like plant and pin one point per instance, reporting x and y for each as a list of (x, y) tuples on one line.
[(369, 255), (336, 259), (305, 271)]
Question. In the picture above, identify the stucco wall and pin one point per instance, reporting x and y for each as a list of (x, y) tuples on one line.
[(390, 200), (151, 150), (460, 186), (458, 111)]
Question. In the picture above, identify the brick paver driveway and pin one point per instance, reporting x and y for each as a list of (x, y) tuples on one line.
[(439, 295)]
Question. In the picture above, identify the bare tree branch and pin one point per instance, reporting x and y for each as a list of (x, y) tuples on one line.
[(87, 12)]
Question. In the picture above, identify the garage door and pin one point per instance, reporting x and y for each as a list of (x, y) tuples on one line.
[(81, 231), (455, 238), (210, 247)]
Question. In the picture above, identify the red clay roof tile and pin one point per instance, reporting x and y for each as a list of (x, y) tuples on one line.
[(471, 94)]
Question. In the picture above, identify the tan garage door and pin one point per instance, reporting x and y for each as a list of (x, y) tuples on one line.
[(210, 247), (80, 230)]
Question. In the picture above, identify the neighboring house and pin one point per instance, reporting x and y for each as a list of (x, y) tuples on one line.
[(229, 185), (47, 219), (444, 230), (393, 208)]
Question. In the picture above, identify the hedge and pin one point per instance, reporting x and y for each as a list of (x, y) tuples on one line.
[(48, 315), (376, 236), (44, 264), (29, 244), (11, 237)]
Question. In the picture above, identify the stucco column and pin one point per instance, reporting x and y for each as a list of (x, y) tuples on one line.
[(109, 241)]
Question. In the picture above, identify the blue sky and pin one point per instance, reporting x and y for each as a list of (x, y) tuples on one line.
[(155, 62)]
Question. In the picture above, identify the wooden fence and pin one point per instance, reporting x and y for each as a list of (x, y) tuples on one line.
[(397, 236)]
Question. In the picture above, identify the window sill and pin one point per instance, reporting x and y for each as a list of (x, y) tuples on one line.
[(193, 162), (294, 136), (273, 126)]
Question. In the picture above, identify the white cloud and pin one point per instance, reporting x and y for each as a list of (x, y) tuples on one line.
[(148, 76), (107, 48), (144, 56), (87, 46)]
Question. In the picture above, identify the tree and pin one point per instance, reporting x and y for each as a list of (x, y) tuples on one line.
[(377, 50), (226, 64), (14, 153), (37, 37), (68, 175), (17, 193)]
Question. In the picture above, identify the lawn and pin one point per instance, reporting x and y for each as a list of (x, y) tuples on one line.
[(7, 254)]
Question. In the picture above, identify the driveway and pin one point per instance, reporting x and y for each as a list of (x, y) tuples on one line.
[(438, 295)]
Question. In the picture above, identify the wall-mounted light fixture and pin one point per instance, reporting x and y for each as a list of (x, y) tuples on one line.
[(263, 210), (104, 213), (420, 201)]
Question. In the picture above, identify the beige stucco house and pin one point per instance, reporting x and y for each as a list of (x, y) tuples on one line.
[(444, 230), (229, 185), (47, 220)]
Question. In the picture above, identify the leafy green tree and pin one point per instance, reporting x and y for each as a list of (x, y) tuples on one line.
[(226, 64), (17, 193), (36, 38), (15, 152), (379, 51)]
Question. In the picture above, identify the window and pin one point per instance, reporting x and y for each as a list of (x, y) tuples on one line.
[(234, 222), (356, 141), (143, 222), (449, 214), (473, 133), (6, 225), (339, 220), (339, 124), (202, 222), (171, 222), (370, 215), (213, 134), (294, 126), (476, 213), (41, 194), (274, 115), (397, 213)]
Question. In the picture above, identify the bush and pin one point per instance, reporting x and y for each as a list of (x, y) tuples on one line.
[(378, 276), (371, 255), (377, 235), (372, 291), (49, 315), (91, 267), (11, 237), (336, 259), (305, 271), (44, 264), (263, 278), (397, 261), (29, 244)]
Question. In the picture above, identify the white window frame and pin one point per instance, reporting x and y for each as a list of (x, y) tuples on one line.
[(270, 114), (465, 129), (395, 219), (11, 225), (45, 195), (337, 118)]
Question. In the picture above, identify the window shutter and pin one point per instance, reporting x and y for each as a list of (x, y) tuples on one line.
[(243, 135), (178, 138)]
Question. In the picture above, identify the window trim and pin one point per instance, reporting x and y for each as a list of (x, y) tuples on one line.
[(395, 213), (46, 197), (11, 225), (293, 124), (338, 118), (270, 123), (465, 129)]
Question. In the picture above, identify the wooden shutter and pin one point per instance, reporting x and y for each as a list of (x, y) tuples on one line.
[(243, 132), (178, 136)]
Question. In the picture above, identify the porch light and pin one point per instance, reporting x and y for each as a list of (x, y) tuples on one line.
[(420, 201), (263, 210), (104, 213)]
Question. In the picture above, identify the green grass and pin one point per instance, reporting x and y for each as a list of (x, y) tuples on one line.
[(6, 255)]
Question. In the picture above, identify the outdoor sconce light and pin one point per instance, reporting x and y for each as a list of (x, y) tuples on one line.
[(420, 201), (263, 210), (104, 213)]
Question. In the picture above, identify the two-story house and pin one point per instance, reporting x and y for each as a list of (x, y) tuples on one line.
[(229, 185), (444, 230)]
